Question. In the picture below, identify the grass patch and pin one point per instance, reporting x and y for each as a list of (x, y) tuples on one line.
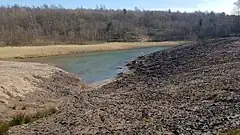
[(53, 50), (147, 120), (19, 119), (23, 118), (4, 127), (232, 132)]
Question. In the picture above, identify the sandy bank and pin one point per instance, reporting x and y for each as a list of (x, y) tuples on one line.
[(41, 51), (31, 86)]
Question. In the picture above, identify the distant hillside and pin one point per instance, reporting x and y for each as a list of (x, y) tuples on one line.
[(56, 25)]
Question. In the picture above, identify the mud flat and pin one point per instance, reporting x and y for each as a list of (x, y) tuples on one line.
[(188, 89)]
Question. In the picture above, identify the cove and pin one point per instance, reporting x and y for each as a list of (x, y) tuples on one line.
[(97, 66)]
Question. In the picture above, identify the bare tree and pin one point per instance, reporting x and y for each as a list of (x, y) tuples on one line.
[(55, 25), (236, 9)]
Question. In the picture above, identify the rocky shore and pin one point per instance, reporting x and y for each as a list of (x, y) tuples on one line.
[(188, 89)]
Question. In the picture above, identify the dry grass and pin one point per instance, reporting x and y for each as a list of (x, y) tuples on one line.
[(232, 132), (53, 50), (22, 118)]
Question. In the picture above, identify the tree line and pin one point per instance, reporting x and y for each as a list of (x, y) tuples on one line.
[(45, 24)]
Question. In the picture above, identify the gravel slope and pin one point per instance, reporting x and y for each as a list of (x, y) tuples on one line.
[(193, 89)]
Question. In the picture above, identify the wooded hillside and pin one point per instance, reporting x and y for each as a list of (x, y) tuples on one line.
[(56, 25)]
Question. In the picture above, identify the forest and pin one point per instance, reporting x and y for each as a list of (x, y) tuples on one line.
[(46, 25)]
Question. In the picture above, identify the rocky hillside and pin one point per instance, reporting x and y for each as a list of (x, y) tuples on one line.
[(189, 89)]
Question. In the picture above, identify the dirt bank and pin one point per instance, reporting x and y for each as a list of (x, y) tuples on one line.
[(26, 87), (192, 89), (53, 50)]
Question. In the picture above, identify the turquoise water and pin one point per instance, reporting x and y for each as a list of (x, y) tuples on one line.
[(99, 66)]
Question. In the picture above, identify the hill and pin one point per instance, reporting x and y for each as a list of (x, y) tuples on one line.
[(48, 25)]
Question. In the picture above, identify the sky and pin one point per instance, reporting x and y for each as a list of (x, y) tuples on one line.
[(175, 5)]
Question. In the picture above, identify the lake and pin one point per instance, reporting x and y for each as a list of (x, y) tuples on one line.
[(97, 66)]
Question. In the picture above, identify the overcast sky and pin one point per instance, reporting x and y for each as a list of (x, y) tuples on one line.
[(181, 5)]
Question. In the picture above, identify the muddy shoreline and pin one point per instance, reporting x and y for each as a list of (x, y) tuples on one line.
[(193, 89)]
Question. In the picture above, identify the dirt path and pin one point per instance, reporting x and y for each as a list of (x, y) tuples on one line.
[(192, 89)]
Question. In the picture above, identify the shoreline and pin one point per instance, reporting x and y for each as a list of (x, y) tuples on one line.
[(57, 50), (192, 91)]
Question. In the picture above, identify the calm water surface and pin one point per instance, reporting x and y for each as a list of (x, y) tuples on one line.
[(98, 66)]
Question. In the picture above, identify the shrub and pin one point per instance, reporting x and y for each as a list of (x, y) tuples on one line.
[(4, 127), (19, 119), (28, 119), (45, 113), (22, 118)]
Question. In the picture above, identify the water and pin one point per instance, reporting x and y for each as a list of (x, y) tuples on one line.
[(98, 66)]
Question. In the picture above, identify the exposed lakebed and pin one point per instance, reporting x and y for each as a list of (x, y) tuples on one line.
[(97, 66)]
